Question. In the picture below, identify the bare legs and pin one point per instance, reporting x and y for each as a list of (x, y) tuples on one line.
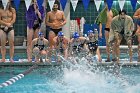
[(30, 35), (11, 44)]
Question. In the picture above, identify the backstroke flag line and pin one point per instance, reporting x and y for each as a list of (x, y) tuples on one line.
[(74, 4), (27, 3), (51, 3), (16, 3), (4, 3), (133, 3), (121, 4), (109, 3), (86, 3), (97, 4), (40, 2), (63, 3)]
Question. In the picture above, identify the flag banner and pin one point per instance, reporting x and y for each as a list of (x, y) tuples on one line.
[(97, 4), (40, 2), (4, 3), (51, 3), (74, 4), (133, 3), (85, 3), (63, 3), (27, 3), (17, 3), (109, 3), (121, 3)]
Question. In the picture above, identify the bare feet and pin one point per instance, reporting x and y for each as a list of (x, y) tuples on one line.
[(2, 60), (11, 60), (29, 60)]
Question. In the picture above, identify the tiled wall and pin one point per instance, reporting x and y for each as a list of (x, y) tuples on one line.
[(91, 13)]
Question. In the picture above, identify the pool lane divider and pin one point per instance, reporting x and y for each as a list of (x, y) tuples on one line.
[(18, 77)]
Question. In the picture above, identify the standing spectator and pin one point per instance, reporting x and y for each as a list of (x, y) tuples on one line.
[(55, 19), (7, 19), (105, 17), (34, 18), (121, 26), (137, 16)]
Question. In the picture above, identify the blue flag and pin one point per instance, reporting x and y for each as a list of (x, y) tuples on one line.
[(85, 3), (109, 3), (40, 2), (16, 3), (63, 3), (133, 3)]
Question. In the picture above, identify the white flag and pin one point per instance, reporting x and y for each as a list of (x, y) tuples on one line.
[(4, 3), (121, 3), (98, 3), (27, 3), (74, 4), (51, 3)]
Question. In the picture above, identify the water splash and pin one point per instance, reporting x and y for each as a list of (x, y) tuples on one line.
[(82, 77)]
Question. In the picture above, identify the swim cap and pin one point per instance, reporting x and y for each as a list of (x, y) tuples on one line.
[(90, 31), (75, 35), (40, 33), (60, 33)]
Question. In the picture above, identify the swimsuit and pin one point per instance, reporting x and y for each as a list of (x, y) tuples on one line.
[(41, 47), (6, 29), (56, 30)]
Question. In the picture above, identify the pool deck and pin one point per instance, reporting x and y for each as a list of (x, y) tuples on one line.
[(22, 49), (123, 48), (134, 63)]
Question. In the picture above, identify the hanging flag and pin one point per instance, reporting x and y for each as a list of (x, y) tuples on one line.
[(85, 3), (74, 4), (109, 3), (63, 3), (17, 3), (4, 3), (98, 3), (51, 3), (40, 2), (138, 1), (27, 3), (133, 3), (121, 3)]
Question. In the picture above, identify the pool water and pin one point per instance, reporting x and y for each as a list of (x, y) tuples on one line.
[(73, 78)]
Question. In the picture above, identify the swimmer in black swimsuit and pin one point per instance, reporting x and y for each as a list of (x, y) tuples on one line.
[(92, 43), (39, 47), (7, 19), (77, 45), (61, 44)]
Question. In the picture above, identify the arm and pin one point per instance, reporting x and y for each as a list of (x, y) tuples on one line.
[(1, 21), (64, 19), (100, 30), (136, 14), (47, 20), (14, 16)]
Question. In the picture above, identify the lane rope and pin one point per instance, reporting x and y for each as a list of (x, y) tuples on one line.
[(18, 77)]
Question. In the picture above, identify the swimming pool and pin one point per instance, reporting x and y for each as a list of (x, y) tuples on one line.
[(69, 78)]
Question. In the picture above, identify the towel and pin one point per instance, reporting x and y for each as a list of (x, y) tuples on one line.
[(102, 17), (116, 26)]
